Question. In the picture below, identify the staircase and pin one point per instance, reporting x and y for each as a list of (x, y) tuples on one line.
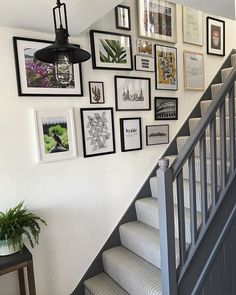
[(200, 173)]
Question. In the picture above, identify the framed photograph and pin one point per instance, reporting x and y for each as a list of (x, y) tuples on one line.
[(131, 134), (97, 131), (157, 20), (145, 47), (166, 108), (193, 70), (144, 63), (192, 26), (123, 17), (157, 134), (55, 134), (215, 36), (132, 93), (166, 68), (111, 51), (36, 78), (96, 92)]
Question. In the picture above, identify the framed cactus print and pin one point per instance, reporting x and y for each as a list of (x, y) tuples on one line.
[(111, 51), (96, 92)]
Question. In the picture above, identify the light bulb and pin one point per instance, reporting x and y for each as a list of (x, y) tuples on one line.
[(64, 71)]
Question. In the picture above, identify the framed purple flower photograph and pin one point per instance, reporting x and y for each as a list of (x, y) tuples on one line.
[(36, 78)]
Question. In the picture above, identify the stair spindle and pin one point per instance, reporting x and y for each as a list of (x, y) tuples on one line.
[(223, 145), (232, 128), (213, 161)]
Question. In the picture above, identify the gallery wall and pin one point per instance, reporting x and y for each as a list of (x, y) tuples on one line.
[(81, 199)]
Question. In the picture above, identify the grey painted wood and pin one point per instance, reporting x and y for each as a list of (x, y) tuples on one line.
[(232, 128), (213, 162), (167, 235), (223, 144)]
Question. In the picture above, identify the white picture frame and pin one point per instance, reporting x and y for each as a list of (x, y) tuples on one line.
[(144, 63), (194, 70), (192, 26), (145, 47)]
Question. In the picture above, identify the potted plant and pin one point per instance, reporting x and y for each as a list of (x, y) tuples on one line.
[(14, 224)]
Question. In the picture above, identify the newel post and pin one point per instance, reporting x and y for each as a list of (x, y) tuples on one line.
[(167, 234)]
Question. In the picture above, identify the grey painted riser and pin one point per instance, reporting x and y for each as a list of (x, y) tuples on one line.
[(144, 241), (134, 274), (206, 103), (182, 140), (153, 185), (147, 212)]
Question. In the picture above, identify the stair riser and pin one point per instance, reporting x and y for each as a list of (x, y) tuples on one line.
[(225, 73), (206, 104), (216, 87), (87, 292), (233, 60)]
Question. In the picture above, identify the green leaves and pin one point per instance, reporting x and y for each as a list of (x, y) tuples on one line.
[(18, 221), (115, 53)]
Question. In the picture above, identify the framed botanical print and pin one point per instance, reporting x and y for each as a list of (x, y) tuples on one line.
[(36, 78), (144, 63), (131, 135), (193, 70), (111, 51), (132, 93), (122, 14), (166, 108), (215, 36), (192, 26), (157, 20), (166, 67), (97, 131), (55, 134), (157, 134), (96, 92)]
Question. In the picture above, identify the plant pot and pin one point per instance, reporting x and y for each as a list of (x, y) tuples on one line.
[(7, 249)]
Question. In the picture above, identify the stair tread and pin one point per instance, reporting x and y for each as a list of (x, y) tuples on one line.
[(102, 284), (143, 240), (133, 273)]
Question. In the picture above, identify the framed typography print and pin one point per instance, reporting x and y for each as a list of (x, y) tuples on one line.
[(96, 92), (55, 134), (193, 70), (157, 20), (166, 67), (131, 135), (97, 131), (144, 63), (215, 36), (36, 78), (166, 108), (157, 134), (132, 93), (192, 26), (111, 51), (122, 14)]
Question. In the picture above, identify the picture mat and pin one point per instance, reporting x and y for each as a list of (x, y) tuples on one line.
[(157, 134), (192, 26)]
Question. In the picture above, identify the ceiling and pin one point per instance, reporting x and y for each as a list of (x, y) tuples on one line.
[(36, 15)]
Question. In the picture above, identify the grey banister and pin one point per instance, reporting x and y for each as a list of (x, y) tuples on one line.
[(166, 228), (200, 128)]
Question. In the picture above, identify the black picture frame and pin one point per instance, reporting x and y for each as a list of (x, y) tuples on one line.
[(100, 140), (122, 15), (215, 36), (27, 66), (96, 92), (130, 134), (101, 47), (166, 108), (155, 134), (124, 85)]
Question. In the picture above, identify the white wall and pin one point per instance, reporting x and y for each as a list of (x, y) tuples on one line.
[(81, 199)]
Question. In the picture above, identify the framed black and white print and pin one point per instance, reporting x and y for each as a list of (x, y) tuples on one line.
[(111, 51), (122, 14), (132, 93), (144, 63), (215, 36), (36, 78), (131, 135), (97, 131), (96, 92), (166, 108), (157, 134)]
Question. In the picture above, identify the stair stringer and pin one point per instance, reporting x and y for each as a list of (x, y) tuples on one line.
[(113, 240)]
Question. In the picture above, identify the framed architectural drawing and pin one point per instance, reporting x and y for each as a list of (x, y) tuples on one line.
[(122, 14), (166, 68), (132, 93), (144, 63), (55, 134), (215, 36), (157, 20), (131, 134), (96, 92), (193, 70), (36, 78), (192, 26), (97, 131), (166, 108), (157, 134)]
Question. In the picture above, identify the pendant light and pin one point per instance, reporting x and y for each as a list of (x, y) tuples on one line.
[(62, 54)]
